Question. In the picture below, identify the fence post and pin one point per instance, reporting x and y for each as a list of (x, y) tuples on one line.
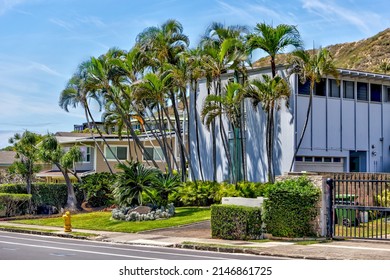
[(329, 182)]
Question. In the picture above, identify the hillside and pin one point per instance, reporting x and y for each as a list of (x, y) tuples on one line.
[(371, 54)]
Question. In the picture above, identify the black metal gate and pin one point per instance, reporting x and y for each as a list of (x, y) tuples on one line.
[(361, 206)]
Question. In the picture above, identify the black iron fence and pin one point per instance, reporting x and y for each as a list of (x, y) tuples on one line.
[(361, 206)]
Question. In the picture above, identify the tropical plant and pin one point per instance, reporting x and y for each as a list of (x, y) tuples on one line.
[(229, 105), (50, 151), (273, 40), (134, 180), (311, 66), (269, 92), (25, 146), (98, 188), (167, 184)]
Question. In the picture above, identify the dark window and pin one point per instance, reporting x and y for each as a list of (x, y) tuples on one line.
[(376, 93), (334, 88), (362, 91), (336, 159), (349, 91), (304, 88), (327, 159), (318, 159), (298, 159), (320, 88), (309, 159), (121, 152)]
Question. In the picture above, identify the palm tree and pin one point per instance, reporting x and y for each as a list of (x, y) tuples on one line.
[(311, 67), (77, 92), (224, 49), (273, 40), (269, 92), (163, 46), (228, 104)]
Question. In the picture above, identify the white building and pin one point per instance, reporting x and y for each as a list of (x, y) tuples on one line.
[(348, 130)]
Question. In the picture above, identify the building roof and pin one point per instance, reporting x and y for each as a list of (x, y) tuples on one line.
[(7, 158)]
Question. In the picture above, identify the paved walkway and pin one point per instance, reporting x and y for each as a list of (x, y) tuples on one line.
[(195, 236)]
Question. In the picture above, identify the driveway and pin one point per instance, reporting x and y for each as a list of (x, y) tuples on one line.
[(196, 230)]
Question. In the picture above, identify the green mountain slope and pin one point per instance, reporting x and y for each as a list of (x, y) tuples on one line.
[(370, 55)]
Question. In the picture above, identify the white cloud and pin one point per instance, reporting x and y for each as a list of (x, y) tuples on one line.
[(6, 5), (332, 12)]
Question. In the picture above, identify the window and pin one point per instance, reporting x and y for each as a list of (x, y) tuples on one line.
[(86, 152), (320, 88), (327, 159), (349, 91), (304, 88), (153, 153), (318, 159), (308, 159), (336, 159), (334, 88), (362, 91), (298, 158), (376, 93), (119, 152)]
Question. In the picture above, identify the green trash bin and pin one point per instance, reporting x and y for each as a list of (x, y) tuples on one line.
[(346, 217)]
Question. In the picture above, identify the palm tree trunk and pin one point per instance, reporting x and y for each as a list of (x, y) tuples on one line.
[(304, 126), (87, 112), (71, 202), (197, 133)]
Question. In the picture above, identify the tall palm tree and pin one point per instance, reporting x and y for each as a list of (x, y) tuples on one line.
[(311, 66), (224, 49), (268, 92), (273, 40), (229, 105), (162, 46), (77, 92)]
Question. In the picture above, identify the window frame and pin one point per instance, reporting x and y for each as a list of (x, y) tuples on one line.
[(160, 159), (107, 150)]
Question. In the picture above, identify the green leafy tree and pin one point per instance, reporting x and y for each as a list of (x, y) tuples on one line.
[(27, 156), (50, 151)]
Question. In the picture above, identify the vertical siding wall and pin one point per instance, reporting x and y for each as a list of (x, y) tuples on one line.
[(340, 125)]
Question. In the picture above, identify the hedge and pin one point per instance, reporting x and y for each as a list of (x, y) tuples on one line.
[(14, 203), (44, 194), (236, 222), (290, 208)]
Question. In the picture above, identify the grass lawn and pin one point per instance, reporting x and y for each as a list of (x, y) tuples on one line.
[(375, 229), (103, 221)]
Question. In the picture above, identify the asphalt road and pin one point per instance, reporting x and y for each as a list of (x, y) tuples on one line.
[(17, 246)]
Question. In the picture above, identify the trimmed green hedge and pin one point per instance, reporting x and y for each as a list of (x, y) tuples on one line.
[(236, 222), (14, 203), (44, 194), (290, 208)]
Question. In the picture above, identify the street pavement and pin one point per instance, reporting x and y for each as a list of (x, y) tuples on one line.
[(196, 237)]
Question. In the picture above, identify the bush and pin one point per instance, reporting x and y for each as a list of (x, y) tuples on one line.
[(98, 188), (291, 208), (236, 222), (44, 194), (14, 203), (195, 193)]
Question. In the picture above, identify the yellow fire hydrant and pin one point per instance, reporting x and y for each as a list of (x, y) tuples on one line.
[(68, 226)]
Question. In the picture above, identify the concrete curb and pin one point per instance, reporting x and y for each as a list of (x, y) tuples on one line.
[(37, 232)]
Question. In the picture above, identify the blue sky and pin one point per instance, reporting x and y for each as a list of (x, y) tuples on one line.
[(43, 41)]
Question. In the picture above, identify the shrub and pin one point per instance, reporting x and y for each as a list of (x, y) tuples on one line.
[(14, 203), (43, 194), (195, 193), (291, 208), (236, 222), (98, 188)]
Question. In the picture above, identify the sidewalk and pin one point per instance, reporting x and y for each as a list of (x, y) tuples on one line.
[(191, 238)]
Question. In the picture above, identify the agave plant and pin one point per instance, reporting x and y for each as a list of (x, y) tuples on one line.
[(134, 180)]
